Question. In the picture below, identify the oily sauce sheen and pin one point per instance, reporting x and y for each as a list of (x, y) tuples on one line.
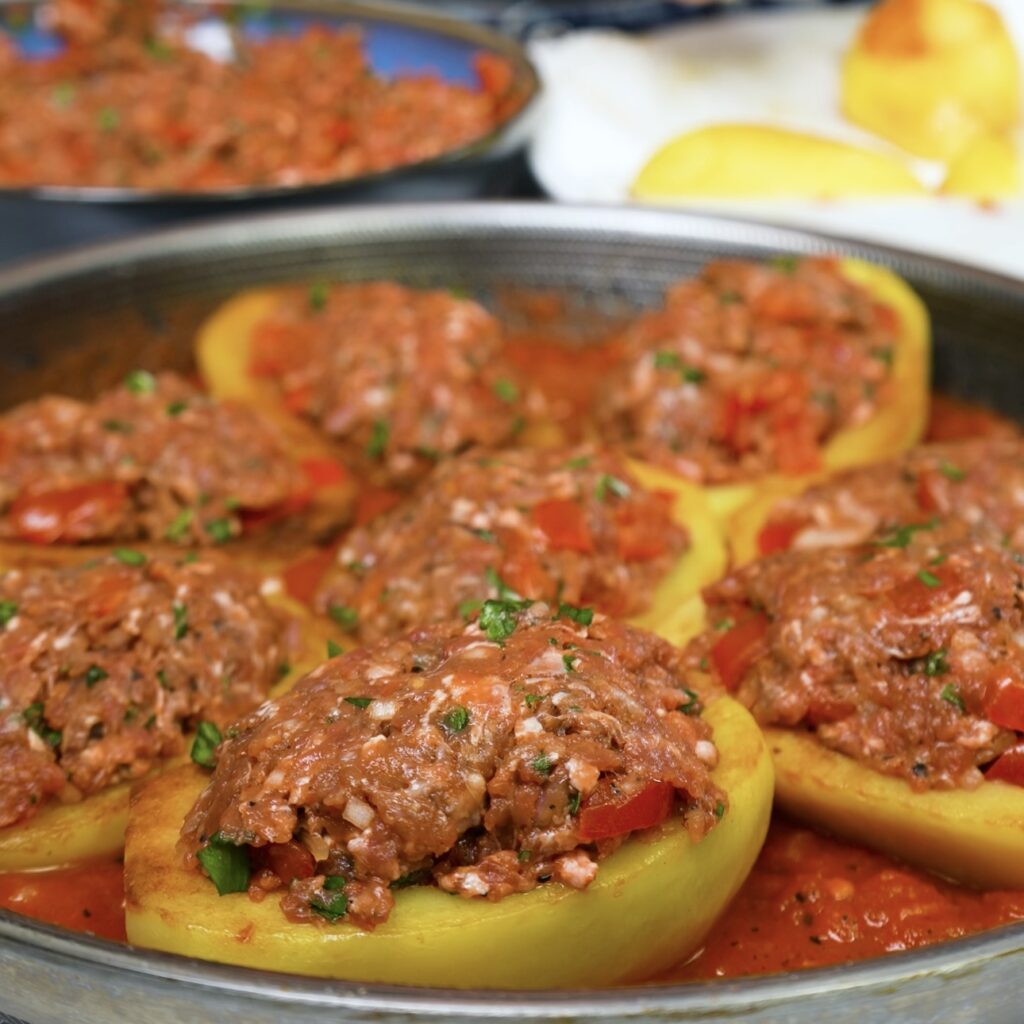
[(810, 901)]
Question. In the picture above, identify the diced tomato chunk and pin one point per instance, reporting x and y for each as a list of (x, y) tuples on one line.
[(641, 527), (778, 535), (1009, 767), (737, 650), (1004, 704), (323, 472), (302, 578), (520, 568), (495, 73), (564, 523), (650, 807), (290, 860), (929, 588), (297, 401), (69, 515)]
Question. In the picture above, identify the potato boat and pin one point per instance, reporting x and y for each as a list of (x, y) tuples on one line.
[(653, 900)]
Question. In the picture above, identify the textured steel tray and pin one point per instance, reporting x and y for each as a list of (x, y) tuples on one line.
[(75, 322)]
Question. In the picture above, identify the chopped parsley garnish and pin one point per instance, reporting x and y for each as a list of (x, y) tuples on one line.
[(334, 650), (426, 452), (901, 536), (937, 560), (332, 904), (928, 579), (359, 702), (108, 119), (580, 462), (567, 661), (316, 297), (282, 670), (180, 613), (468, 608), (784, 264), (532, 699), (33, 717), (226, 863), (179, 526), (935, 664), (208, 738), (485, 535), (94, 674), (347, 618), (523, 856), (506, 389), (378, 442), (951, 695), (581, 616), (542, 764), (63, 95), (176, 408), (456, 719), (129, 556), (883, 353), (498, 619), (504, 591), (573, 806), (724, 625), (140, 382), (219, 530), (692, 705), (161, 676), (719, 810), (607, 483), (116, 427), (951, 472), (419, 877), (8, 609)]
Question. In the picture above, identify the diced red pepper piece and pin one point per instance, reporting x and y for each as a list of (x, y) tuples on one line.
[(495, 73), (650, 807), (641, 526), (737, 650), (778, 535), (1004, 704), (564, 523), (1009, 767), (290, 860), (302, 578), (323, 472), (69, 514)]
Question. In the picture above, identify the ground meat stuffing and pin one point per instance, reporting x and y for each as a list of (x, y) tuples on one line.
[(129, 103), (400, 378), (484, 758), (903, 653), (559, 524), (980, 482), (152, 459), (750, 369), (107, 664)]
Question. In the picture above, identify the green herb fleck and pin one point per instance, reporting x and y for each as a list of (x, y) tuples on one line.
[(719, 810), (140, 382), (532, 699), (179, 527), (498, 619), (176, 408), (378, 442), (108, 119), (567, 661), (204, 746), (724, 625), (359, 702), (506, 389), (784, 264), (523, 856), (503, 590), (129, 556), (8, 609), (468, 608), (456, 719), (116, 427), (581, 616), (573, 807), (542, 764), (283, 670), (419, 877), (33, 716), (334, 650), (180, 613), (935, 664), (670, 361), (692, 705), (951, 472), (607, 483), (316, 297), (579, 462), (63, 95), (219, 530), (332, 904), (928, 579), (901, 536), (161, 676), (226, 863), (347, 618), (884, 354), (951, 695), (485, 535), (94, 674)]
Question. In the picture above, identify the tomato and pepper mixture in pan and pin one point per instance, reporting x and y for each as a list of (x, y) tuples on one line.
[(903, 653), (154, 459), (749, 369), (563, 524), (107, 664), (485, 759), (130, 104), (980, 482), (399, 378)]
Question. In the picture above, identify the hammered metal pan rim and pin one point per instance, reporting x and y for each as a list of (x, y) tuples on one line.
[(510, 131), (455, 220)]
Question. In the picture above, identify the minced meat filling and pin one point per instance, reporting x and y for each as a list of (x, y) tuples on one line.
[(904, 652), (980, 482), (749, 369), (398, 377), (105, 665), (484, 759), (154, 459), (560, 524)]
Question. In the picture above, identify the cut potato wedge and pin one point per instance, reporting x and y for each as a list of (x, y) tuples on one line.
[(973, 836), (653, 901)]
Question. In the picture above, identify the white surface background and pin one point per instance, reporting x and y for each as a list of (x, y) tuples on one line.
[(613, 99)]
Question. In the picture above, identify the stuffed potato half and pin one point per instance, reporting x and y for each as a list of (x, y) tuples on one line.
[(653, 901)]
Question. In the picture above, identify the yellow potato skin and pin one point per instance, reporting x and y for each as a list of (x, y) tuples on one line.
[(972, 836), (672, 614), (895, 428), (653, 900), (929, 75), (752, 161)]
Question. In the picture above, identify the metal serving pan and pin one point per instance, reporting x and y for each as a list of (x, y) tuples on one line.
[(78, 321), (399, 39)]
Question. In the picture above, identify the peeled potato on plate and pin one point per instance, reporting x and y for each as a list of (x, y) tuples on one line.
[(929, 75), (988, 168), (733, 161)]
